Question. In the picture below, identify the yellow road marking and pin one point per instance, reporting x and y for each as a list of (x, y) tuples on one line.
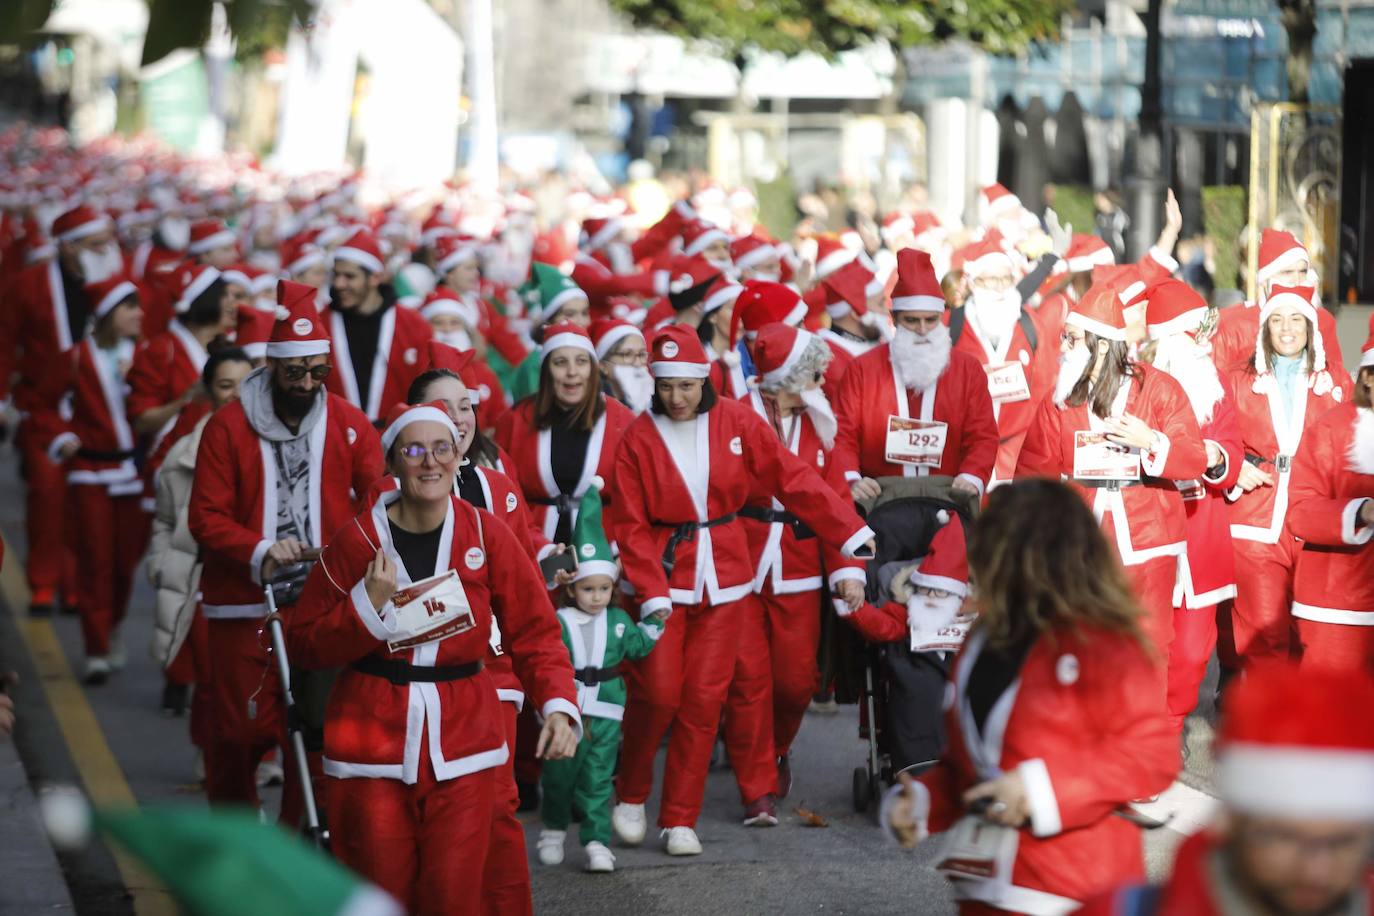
[(100, 772)]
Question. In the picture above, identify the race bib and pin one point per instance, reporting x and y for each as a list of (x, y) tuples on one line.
[(1095, 457), (945, 637), (920, 443), (429, 611), (976, 849), (1007, 382)]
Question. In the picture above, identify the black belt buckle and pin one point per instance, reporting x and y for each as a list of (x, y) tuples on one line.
[(1283, 463), (1113, 486)]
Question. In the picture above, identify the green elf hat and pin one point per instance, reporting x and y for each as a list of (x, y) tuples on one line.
[(556, 289), (594, 557)]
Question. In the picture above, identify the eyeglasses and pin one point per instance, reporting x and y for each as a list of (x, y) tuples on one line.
[(441, 452), (318, 373), (1072, 340), (629, 358)]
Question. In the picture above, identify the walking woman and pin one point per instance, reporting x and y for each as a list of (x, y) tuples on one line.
[(1054, 725)]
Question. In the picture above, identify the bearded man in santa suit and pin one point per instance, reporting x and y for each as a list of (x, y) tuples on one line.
[(47, 312), (1124, 434), (856, 302), (914, 407), (277, 473), (378, 348)]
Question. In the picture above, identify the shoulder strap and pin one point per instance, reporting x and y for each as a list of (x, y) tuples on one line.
[(956, 324), (1028, 327)]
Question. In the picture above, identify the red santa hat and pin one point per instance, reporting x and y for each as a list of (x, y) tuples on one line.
[(444, 301), (945, 566), (847, 290), (777, 351), (362, 249), (462, 364), (720, 292), (402, 415), (925, 223), (1086, 252), (995, 201), (677, 353), (192, 280), (763, 302), (253, 331), (452, 250), (566, 334), (697, 234), (1124, 279), (917, 289), (79, 222), (207, 234), (607, 332), (1298, 744), (436, 226), (897, 224), (832, 254), (1099, 312), (300, 253), (986, 256), (108, 293), (599, 231), (750, 251), (1278, 251), (299, 330), (1300, 298), (1172, 307)]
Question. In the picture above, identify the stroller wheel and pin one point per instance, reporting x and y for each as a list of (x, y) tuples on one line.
[(863, 789)]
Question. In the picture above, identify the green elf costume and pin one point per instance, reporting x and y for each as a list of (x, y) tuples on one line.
[(551, 289), (598, 643)]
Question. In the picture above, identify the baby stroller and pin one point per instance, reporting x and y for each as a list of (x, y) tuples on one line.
[(902, 695)]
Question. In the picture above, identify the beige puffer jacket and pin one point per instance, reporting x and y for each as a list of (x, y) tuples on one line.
[(174, 556)]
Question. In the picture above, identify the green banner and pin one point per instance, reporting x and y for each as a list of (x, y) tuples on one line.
[(175, 102)]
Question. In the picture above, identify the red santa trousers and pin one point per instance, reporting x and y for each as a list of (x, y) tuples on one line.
[(1341, 647), (425, 844), (1152, 583), (113, 535), (682, 683), (749, 707), (1195, 636), (1261, 618), (191, 666), (50, 565), (506, 878), (240, 671)]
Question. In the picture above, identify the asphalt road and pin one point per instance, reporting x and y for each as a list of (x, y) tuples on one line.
[(845, 867)]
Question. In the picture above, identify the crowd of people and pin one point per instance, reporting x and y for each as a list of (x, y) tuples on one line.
[(538, 486)]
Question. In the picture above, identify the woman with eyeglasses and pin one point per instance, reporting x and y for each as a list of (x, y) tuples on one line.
[(621, 349), (405, 597)]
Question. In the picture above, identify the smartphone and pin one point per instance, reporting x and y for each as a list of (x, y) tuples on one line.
[(864, 553), (553, 563)]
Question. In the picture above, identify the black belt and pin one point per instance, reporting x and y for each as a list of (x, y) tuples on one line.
[(685, 532), (402, 673), (91, 454), (563, 502), (800, 530), (1281, 463), (593, 676), (1107, 484)]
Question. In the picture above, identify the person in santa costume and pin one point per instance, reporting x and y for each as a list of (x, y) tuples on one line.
[(1295, 775), (756, 258), (1332, 514), (454, 322), (683, 472), (760, 303), (305, 262), (46, 314), (213, 243), (277, 472), (1053, 724), (1285, 388), (607, 265), (622, 351), (459, 269), (918, 377), (780, 629), (1179, 324), (377, 348), (1125, 436), (556, 300), (96, 450), (404, 597), (856, 302)]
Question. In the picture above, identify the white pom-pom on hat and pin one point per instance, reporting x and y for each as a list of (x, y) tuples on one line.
[(942, 516), (282, 313), (730, 358), (597, 481), (66, 815)]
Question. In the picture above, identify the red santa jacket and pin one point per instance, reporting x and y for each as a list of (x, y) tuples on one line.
[(96, 421), (1145, 521), (1269, 434), (1233, 344), (735, 453), (492, 403), (233, 508), (402, 347), (530, 448), (373, 728), (495, 328), (164, 367), (1087, 735), (1207, 569), (34, 335), (871, 393), (600, 284), (1333, 477)]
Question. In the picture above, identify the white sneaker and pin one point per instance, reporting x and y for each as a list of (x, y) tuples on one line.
[(269, 773), (97, 670), (682, 841), (599, 858), (551, 846), (629, 822)]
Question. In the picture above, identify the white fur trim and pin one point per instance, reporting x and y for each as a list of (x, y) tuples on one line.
[(55, 446), (709, 237), (1361, 454), (1350, 516), (1300, 782), (1102, 257), (453, 307), (1281, 263), (567, 339), (572, 292), (977, 482), (114, 297), (1040, 797), (857, 540), (987, 262), (375, 621), (854, 573), (717, 300), (918, 303), (756, 257), (673, 369), (91, 227), (416, 414), (306, 261), (289, 349), (654, 605), (834, 261), (608, 231), (774, 377), (223, 237), (615, 335), (460, 256), (1093, 326), (1177, 325), (558, 704), (1152, 461), (1343, 616), (1163, 259), (1367, 359), (199, 285), (942, 583), (359, 257)]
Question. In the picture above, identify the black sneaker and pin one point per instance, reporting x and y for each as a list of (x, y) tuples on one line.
[(174, 699)]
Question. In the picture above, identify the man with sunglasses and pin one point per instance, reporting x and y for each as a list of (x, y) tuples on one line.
[(276, 474)]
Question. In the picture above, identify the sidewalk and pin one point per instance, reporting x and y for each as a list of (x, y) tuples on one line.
[(30, 877)]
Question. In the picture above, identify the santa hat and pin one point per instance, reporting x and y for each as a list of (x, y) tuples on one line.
[(566, 334), (402, 415), (762, 302), (720, 292), (1124, 279), (777, 351), (253, 331), (847, 290), (926, 224), (207, 234), (697, 234), (995, 201), (300, 253), (78, 223), (986, 256), (1298, 744), (917, 289), (299, 331), (1099, 312), (1278, 251), (607, 332), (1300, 298), (109, 293), (945, 566), (1172, 307), (831, 255), (553, 289), (436, 226), (594, 556), (452, 250), (597, 232), (1367, 352), (689, 280), (677, 353), (362, 249), (193, 280), (897, 224), (750, 251), (460, 363), (444, 301), (1086, 252)]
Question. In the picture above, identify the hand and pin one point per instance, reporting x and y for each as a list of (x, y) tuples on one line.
[(283, 553), (1215, 455), (196, 392), (657, 619), (68, 448), (380, 580), (1010, 806), (563, 576), (1130, 430), (963, 485), (1367, 512), (902, 819), (557, 740), (1173, 213), (7, 703), (1252, 477), (851, 592), (865, 488)]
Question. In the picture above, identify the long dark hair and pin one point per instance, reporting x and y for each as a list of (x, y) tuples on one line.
[(548, 412), (1271, 356), (207, 308), (481, 450), (1116, 368), (708, 399)]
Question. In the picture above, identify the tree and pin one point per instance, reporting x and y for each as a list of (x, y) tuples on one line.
[(1299, 18)]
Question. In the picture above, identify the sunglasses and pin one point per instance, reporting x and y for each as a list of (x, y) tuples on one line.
[(318, 373), (441, 452)]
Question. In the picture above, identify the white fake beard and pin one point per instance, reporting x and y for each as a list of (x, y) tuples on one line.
[(927, 614), (920, 360), (822, 415), (1193, 369), (175, 232), (459, 339), (1361, 455), (636, 384), (97, 266), (995, 312), (622, 260), (1071, 366)]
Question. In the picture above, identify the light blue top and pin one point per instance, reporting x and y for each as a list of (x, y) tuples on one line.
[(1288, 372)]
